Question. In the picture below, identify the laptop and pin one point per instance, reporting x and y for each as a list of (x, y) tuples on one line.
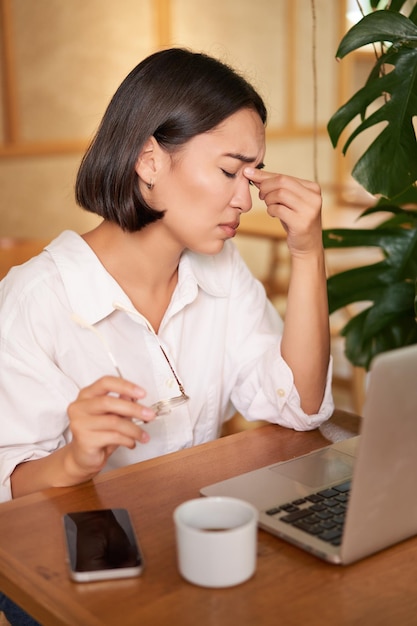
[(357, 496)]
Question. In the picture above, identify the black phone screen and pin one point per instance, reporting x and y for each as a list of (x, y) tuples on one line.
[(101, 540)]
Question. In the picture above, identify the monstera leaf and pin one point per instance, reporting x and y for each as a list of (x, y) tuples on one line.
[(389, 165), (390, 286)]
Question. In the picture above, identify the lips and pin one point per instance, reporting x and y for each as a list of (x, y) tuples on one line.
[(232, 225), (230, 228)]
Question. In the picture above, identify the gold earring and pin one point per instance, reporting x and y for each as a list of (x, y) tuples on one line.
[(150, 185)]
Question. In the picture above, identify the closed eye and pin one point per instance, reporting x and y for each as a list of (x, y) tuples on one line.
[(229, 174), (232, 175)]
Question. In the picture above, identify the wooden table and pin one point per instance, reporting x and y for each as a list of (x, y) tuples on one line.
[(289, 588)]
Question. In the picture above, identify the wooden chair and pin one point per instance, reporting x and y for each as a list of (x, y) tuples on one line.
[(16, 250)]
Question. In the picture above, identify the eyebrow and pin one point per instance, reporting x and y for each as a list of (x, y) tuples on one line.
[(244, 159)]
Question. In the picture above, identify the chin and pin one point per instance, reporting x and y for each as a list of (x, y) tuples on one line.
[(209, 249)]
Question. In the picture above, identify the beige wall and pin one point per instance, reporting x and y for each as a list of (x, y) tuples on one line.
[(63, 59)]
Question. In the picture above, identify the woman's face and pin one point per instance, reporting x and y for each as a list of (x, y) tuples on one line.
[(202, 187)]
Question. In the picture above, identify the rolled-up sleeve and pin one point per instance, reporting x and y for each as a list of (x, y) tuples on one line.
[(33, 404), (277, 399)]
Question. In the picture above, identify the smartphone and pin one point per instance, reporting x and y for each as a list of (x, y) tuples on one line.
[(101, 545)]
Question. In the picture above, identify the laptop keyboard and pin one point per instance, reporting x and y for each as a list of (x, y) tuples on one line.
[(321, 514)]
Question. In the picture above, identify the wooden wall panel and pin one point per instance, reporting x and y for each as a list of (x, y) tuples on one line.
[(251, 36), (62, 60), (69, 60)]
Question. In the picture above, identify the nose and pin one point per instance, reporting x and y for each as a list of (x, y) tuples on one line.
[(242, 198)]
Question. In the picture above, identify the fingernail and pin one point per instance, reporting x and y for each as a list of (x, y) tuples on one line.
[(146, 412), (144, 438), (139, 392), (249, 171)]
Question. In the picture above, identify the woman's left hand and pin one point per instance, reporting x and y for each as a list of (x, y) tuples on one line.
[(297, 203), (305, 343)]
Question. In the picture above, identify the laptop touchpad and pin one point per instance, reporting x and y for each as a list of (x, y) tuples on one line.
[(321, 468)]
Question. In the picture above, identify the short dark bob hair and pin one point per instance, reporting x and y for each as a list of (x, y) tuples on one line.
[(172, 95)]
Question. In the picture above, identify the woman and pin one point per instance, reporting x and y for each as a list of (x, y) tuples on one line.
[(156, 303)]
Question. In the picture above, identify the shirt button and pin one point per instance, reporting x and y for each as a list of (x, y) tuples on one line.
[(281, 392), (170, 383)]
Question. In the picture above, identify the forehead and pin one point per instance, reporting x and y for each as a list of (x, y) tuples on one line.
[(240, 136)]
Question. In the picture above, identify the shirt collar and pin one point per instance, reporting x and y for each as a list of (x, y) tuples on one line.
[(205, 271), (91, 290)]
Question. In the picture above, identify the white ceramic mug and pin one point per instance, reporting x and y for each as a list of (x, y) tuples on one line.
[(216, 541)]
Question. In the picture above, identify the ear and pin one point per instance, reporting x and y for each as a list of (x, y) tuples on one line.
[(149, 161)]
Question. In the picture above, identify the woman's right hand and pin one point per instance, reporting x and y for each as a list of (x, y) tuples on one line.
[(101, 420)]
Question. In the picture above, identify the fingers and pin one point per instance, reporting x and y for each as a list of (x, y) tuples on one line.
[(110, 405), (114, 394), (104, 416), (296, 202), (280, 190), (259, 176), (112, 384)]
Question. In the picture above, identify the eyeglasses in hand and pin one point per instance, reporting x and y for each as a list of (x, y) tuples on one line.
[(162, 407)]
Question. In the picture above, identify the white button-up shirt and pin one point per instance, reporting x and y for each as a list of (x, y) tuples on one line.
[(220, 333)]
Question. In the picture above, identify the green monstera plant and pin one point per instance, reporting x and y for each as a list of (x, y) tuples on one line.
[(387, 290)]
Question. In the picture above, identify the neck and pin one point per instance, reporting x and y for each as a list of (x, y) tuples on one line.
[(145, 268), (139, 255)]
